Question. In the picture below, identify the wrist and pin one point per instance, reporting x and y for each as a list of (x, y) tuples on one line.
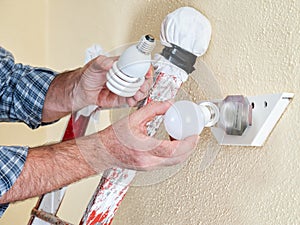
[(61, 95), (94, 152)]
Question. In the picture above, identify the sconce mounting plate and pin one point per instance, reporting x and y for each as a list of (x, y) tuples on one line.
[(266, 112)]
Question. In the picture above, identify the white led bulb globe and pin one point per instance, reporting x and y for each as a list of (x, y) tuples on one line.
[(186, 118)]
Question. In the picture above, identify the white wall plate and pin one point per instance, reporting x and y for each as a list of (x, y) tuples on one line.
[(266, 112)]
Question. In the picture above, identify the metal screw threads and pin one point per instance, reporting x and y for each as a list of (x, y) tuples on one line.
[(146, 44)]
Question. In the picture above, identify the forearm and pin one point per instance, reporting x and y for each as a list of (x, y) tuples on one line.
[(60, 96), (49, 168), (124, 144)]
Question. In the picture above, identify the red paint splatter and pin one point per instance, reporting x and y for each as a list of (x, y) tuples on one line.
[(94, 219), (91, 217)]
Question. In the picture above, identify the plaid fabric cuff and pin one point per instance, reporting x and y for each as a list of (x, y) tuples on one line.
[(29, 96), (12, 160), (23, 90)]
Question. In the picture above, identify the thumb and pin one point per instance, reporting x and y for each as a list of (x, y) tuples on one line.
[(102, 63)]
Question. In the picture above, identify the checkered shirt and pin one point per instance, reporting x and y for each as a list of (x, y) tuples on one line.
[(22, 94)]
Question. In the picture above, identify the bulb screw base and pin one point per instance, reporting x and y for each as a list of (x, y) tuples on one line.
[(211, 112), (146, 44)]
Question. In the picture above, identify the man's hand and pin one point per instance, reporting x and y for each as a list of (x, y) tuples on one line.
[(73, 90), (93, 85), (126, 144)]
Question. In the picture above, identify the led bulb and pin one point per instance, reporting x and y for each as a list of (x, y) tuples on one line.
[(128, 74), (186, 118)]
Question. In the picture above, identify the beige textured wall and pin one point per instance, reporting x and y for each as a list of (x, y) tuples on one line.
[(254, 50), (23, 34)]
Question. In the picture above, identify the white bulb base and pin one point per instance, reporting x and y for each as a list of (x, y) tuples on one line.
[(211, 113)]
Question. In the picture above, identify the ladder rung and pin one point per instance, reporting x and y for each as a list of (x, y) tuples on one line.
[(48, 217)]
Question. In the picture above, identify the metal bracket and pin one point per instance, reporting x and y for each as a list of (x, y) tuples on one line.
[(266, 112)]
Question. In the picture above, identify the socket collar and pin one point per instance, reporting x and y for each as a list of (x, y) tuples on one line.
[(180, 57)]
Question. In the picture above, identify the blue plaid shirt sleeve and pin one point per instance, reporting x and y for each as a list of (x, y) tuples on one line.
[(22, 94), (12, 160), (22, 90)]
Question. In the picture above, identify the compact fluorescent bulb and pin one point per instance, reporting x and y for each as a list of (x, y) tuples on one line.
[(128, 73)]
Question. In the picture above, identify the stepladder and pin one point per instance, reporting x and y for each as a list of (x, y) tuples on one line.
[(168, 80), (114, 182)]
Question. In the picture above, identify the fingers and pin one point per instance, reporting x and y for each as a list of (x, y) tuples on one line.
[(149, 111), (144, 89), (186, 145), (141, 94), (147, 85), (167, 156), (175, 160), (171, 149), (131, 102), (150, 73), (102, 63)]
